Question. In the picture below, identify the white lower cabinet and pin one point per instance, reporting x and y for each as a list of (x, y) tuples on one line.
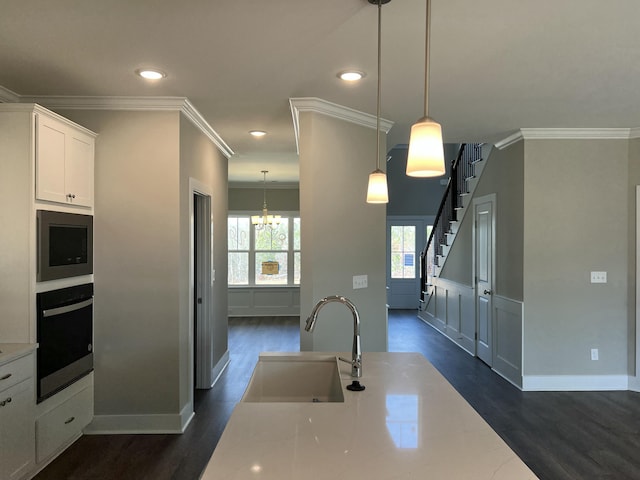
[(63, 423), (17, 436)]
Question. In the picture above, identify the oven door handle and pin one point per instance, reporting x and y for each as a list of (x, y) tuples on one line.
[(67, 308)]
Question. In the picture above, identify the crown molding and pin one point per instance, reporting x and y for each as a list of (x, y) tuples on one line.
[(146, 104), (575, 133), (317, 105), (508, 141), (8, 96), (270, 186), (568, 134)]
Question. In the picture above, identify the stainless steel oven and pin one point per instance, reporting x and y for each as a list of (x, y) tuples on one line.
[(65, 337)]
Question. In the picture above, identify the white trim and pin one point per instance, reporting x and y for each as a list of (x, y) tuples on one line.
[(317, 105), (508, 141), (8, 96), (575, 133), (146, 104), (568, 134), (220, 367), (634, 381), (574, 383), (138, 424), (270, 186)]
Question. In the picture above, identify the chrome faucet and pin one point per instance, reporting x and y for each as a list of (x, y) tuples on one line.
[(356, 354)]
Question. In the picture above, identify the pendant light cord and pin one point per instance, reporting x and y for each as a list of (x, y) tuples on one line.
[(264, 190), (379, 86), (426, 59)]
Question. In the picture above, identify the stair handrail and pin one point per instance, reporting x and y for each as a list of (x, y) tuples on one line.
[(448, 205), (436, 223)]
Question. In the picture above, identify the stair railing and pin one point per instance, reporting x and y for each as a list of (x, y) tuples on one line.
[(462, 170)]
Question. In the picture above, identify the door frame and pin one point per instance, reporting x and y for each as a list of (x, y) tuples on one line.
[(201, 326), (420, 222), (492, 199)]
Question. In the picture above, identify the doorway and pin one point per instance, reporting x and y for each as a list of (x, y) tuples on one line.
[(406, 237), (201, 285), (483, 263)]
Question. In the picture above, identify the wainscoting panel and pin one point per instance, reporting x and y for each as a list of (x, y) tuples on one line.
[(507, 341), (451, 310), (264, 301)]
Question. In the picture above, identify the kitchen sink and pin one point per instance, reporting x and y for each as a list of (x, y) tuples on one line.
[(295, 378)]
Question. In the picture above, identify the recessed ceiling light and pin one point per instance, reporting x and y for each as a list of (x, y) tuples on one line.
[(351, 75), (150, 74), (257, 133)]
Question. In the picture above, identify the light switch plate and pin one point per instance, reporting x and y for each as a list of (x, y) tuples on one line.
[(360, 281), (598, 277)]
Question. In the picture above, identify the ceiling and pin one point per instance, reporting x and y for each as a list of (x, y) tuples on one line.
[(496, 65)]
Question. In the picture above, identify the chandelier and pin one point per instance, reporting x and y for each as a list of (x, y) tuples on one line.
[(265, 220)]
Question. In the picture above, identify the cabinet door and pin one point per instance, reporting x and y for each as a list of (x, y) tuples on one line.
[(50, 159), (64, 163), (17, 430), (79, 169)]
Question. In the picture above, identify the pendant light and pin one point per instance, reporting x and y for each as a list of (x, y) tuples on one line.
[(265, 220), (426, 153), (377, 191)]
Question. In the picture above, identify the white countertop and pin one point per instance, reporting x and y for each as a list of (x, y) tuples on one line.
[(11, 351), (409, 423)]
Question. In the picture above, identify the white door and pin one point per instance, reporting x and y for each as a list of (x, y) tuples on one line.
[(406, 237), (484, 228)]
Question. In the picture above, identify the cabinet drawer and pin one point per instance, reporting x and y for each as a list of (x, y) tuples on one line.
[(16, 371), (66, 421)]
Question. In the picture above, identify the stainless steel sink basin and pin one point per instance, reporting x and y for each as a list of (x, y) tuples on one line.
[(295, 378)]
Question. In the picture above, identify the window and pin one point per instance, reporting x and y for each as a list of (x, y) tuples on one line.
[(403, 251), (264, 256)]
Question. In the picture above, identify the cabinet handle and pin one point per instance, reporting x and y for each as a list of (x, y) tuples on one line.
[(71, 196), (4, 402), (69, 420), (6, 376)]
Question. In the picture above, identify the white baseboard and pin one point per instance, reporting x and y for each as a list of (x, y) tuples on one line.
[(220, 367), (140, 424), (574, 383), (634, 383)]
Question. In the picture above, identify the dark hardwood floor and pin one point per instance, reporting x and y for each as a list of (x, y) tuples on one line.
[(560, 435)]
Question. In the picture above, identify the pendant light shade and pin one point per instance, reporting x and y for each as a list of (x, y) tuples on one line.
[(426, 153), (377, 191)]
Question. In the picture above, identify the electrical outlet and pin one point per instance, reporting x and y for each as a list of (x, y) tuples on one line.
[(594, 354), (598, 277), (360, 281)]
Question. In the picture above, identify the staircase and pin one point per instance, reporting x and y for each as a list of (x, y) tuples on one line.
[(456, 201)]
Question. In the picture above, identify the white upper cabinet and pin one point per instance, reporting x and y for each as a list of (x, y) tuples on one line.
[(64, 162)]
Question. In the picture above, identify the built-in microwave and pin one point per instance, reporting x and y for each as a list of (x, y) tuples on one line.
[(64, 244)]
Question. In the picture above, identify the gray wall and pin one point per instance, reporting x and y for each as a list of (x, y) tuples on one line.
[(341, 234), (202, 161), (251, 199), (576, 221), (634, 179), (141, 258), (502, 175), (564, 208)]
